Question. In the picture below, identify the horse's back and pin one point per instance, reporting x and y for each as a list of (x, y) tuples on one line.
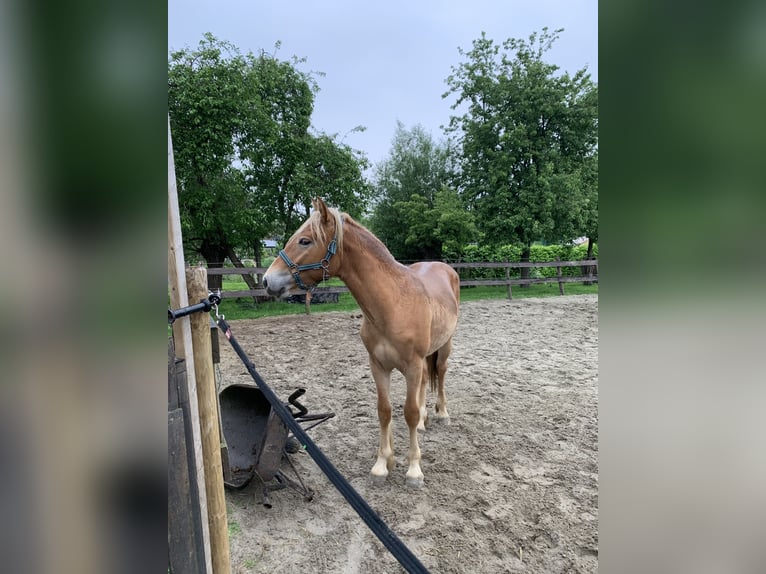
[(440, 281)]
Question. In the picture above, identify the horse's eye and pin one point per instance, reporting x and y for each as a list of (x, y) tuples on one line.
[(304, 241)]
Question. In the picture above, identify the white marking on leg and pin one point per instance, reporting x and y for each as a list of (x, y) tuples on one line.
[(414, 477), (385, 460), (422, 403)]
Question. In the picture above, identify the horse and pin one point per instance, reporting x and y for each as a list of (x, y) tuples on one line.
[(410, 314)]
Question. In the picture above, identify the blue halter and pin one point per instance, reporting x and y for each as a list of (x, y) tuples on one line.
[(324, 264)]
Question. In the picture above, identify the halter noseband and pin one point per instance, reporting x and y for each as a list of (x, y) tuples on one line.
[(324, 264)]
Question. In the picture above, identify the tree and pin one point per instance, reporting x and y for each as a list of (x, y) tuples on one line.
[(523, 140), (443, 229), (285, 164), (205, 95), (247, 161), (405, 187), (455, 225), (589, 211), (331, 170)]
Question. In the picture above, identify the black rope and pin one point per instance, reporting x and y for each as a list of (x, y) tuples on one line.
[(389, 539)]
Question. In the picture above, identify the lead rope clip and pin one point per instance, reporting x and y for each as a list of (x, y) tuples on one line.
[(215, 298)]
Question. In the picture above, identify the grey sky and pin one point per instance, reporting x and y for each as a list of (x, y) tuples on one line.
[(384, 61)]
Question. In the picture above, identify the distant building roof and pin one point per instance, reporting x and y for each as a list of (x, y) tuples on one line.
[(269, 243)]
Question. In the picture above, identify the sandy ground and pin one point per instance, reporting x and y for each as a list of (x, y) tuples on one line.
[(511, 485)]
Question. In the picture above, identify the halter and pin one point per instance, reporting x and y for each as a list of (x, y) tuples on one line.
[(324, 264)]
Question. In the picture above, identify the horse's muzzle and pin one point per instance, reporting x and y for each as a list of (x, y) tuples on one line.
[(272, 290)]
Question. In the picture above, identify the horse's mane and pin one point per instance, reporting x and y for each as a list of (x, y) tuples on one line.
[(320, 233), (369, 242)]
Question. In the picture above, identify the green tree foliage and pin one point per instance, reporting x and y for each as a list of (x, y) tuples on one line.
[(416, 213), (455, 226), (247, 161), (205, 90), (526, 140), (284, 161), (445, 227), (589, 207)]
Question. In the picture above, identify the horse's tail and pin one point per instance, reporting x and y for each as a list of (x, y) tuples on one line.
[(433, 377)]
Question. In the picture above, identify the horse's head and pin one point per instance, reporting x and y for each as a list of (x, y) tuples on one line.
[(311, 255)]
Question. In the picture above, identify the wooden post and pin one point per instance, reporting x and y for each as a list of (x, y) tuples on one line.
[(183, 341), (558, 274), (196, 281), (508, 278)]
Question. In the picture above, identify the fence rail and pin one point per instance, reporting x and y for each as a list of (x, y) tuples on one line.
[(507, 281)]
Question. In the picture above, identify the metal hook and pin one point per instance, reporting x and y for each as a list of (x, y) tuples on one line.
[(214, 298)]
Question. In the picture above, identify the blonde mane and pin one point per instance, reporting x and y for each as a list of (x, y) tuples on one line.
[(320, 233)]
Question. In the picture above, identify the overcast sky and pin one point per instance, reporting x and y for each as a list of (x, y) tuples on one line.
[(384, 60)]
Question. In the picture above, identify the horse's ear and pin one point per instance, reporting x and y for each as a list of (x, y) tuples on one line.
[(320, 205)]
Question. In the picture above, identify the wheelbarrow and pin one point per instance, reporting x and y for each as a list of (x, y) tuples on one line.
[(257, 441)]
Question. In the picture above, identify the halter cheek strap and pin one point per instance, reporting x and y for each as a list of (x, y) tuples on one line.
[(324, 264)]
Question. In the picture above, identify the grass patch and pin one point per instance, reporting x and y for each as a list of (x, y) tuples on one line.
[(234, 528), (245, 308), (540, 290)]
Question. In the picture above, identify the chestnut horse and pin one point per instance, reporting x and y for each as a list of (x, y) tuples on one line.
[(410, 315)]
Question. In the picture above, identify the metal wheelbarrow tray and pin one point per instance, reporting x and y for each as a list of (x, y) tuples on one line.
[(256, 440)]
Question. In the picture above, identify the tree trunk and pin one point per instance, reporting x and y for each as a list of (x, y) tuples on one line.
[(214, 255), (248, 278), (525, 270), (588, 269)]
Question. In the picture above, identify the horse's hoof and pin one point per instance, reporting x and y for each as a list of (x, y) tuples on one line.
[(414, 483), (378, 480), (442, 420)]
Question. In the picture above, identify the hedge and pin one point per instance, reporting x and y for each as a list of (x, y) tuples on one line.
[(538, 253)]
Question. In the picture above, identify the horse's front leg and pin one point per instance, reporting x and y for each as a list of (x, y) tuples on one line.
[(422, 399), (412, 414), (385, 460)]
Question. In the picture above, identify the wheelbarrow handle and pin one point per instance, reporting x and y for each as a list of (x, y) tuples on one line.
[(293, 400)]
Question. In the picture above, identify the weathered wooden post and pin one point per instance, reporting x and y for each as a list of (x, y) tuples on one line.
[(558, 274), (207, 398), (508, 278)]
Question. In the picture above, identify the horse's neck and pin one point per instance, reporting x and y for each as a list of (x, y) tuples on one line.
[(371, 273)]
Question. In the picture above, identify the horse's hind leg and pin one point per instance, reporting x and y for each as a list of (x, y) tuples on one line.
[(442, 355), (385, 460)]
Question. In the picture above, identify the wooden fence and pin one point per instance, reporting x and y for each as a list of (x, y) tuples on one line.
[(507, 280)]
